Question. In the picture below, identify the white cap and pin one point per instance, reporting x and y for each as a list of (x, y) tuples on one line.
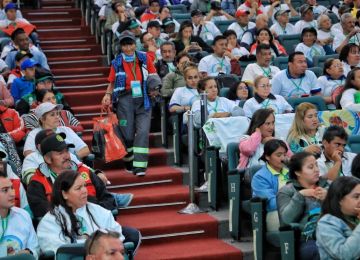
[(45, 108)]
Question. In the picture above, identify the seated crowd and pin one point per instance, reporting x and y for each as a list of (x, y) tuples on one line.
[(309, 178)]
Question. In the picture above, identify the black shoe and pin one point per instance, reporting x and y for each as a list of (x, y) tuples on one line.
[(129, 167), (139, 171)]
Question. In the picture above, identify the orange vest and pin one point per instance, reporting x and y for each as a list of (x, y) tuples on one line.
[(16, 186), (84, 172)]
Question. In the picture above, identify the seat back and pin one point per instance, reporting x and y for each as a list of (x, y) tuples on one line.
[(354, 143), (281, 62), (294, 19), (289, 42), (333, 17), (19, 257), (179, 9), (71, 252), (181, 17), (233, 155), (318, 101), (223, 25), (243, 64), (317, 70), (224, 92), (226, 80), (319, 61)]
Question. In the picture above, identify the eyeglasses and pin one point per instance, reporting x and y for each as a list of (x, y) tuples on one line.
[(337, 65), (192, 77), (264, 86), (242, 88)]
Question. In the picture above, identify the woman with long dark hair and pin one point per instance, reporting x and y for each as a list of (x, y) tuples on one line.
[(349, 98), (265, 36), (338, 232), (72, 219)]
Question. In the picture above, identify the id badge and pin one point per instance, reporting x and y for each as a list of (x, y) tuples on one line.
[(136, 89)]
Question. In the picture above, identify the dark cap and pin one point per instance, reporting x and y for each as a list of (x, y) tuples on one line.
[(215, 5), (10, 6), (167, 21), (196, 12), (133, 24), (41, 75), (42, 135), (21, 54), (153, 23), (304, 8), (54, 142), (127, 35), (153, 82)]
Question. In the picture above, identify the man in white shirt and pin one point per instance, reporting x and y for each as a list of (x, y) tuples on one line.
[(333, 160), (276, 5), (242, 23), (296, 80), (282, 25), (350, 34), (307, 18), (219, 61), (261, 67), (206, 30)]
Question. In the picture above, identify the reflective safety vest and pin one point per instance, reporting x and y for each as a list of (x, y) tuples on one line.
[(84, 172)]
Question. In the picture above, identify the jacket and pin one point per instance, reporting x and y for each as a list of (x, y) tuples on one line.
[(50, 234), (336, 240), (298, 146), (20, 233), (264, 184), (12, 123), (5, 96), (39, 193), (21, 87), (172, 81), (162, 68), (294, 207)]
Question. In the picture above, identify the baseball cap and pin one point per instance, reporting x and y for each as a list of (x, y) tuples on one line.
[(10, 6), (46, 107), (215, 5), (153, 23), (42, 135), (21, 54), (241, 12), (196, 12), (41, 75), (280, 12), (127, 35), (133, 24), (167, 21), (28, 63), (304, 8), (54, 142)]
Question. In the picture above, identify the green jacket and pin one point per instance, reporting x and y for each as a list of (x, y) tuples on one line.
[(294, 207), (172, 81)]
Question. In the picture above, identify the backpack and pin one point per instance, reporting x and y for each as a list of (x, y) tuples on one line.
[(309, 230)]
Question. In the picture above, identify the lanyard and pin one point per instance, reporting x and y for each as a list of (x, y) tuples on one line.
[(190, 90), (266, 104), (266, 73), (221, 61), (314, 51), (4, 225), (298, 87), (54, 175), (133, 69), (283, 29), (216, 105)]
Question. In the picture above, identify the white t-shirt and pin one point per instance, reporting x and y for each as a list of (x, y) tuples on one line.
[(221, 104), (279, 105), (337, 28), (214, 65), (184, 96), (71, 138), (217, 18), (340, 37), (288, 30), (300, 25), (253, 70), (347, 100), (322, 35), (208, 31), (283, 84), (240, 30), (328, 86), (347, 68), (239, 52), (310, 52), (346, 162)]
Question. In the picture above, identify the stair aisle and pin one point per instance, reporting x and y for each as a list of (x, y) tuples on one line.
[(77, 63)]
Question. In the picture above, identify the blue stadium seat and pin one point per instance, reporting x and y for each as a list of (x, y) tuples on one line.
[(354, 143), (317, 70), (319, 61), (281, 62), (177, 9), (223, 25), (289, 42), (181, 17), (318, 101)]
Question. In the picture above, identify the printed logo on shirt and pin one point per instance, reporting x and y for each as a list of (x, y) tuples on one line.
[(84, 176), (12, 243)]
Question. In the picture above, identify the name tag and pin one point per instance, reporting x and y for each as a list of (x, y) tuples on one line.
[(136, 89)]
